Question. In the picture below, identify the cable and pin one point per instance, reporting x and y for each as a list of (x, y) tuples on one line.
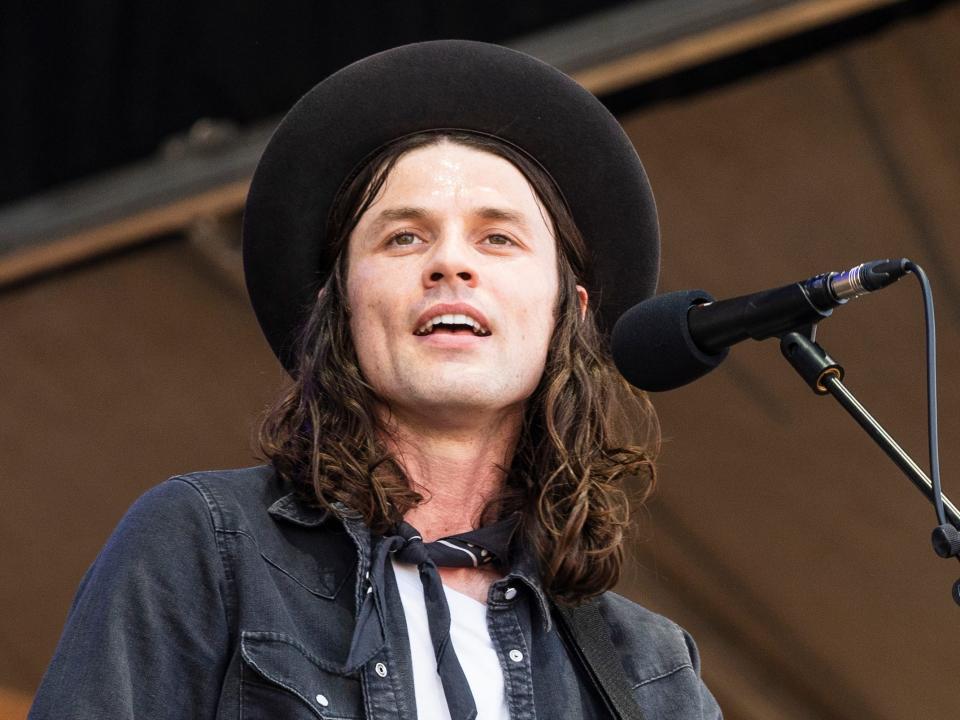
[(932, 414)]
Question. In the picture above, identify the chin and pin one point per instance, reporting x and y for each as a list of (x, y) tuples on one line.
[(439, 398)]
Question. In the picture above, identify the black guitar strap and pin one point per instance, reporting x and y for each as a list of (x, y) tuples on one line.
[(588, 636)]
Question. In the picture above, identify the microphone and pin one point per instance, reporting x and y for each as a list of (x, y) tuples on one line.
[(673, 339)]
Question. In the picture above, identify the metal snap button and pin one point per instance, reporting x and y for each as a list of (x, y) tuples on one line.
[(322, 700), (516, 655), (510, 593), (380, 669)]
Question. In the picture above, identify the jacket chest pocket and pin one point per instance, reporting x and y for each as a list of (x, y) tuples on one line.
[(280, 679)]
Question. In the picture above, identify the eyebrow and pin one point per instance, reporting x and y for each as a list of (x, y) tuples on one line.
[(419, 213), (493, 213), (401, 213)]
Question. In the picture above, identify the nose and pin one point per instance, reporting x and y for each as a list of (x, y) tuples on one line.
[(450, 261)]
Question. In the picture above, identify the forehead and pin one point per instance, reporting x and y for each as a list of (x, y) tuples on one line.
[(451, 175)]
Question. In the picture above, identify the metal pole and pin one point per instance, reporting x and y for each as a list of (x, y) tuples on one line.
[(888, 445)]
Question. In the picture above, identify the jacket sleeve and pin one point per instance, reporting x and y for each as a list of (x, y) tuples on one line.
[(709, 709), (147, 635)]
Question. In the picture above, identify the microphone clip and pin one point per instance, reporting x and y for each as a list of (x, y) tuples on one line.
[(810, 360)]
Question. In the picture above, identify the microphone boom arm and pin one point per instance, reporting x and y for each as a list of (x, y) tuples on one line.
[(824, 375)]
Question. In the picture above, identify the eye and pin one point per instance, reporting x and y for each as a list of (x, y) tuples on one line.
[(404, 239), (500, 240)]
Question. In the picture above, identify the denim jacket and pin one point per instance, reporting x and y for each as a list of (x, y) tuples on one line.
[(220, 595)]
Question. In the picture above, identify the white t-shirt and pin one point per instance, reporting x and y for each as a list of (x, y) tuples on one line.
[(471, 640)]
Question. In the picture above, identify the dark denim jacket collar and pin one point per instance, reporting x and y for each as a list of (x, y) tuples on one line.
[(522, 566), (293, 509)]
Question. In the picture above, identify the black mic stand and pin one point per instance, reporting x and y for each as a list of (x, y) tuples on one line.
[(824, 375)]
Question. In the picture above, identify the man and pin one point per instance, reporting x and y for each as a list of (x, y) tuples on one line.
[(444, 506)]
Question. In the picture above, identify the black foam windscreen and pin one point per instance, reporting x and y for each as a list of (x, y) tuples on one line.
[(652, 346)]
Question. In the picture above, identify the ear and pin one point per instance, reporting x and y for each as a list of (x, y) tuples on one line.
[(584, 300)]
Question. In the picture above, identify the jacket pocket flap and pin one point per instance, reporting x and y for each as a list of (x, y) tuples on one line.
[(284, 662), (320, 567), (303, 571)]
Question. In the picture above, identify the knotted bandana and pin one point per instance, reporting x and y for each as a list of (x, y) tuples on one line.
[(471, 549)]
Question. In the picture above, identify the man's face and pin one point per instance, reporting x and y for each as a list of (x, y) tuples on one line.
[(452, 284)]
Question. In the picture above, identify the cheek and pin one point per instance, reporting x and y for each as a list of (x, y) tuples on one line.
[(538, 306), (536, 325), (358, 304), (365, 296), (376, 320), (364, 322), (535, 322)]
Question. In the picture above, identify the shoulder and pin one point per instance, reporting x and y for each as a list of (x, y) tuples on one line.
[(230, 498), (256, 485), (660, 660), (156, 602), (656, 644), (188, 511), (185, 510), (250, 485)]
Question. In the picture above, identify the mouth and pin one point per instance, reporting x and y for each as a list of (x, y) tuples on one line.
[(456, 324), (452, 319)]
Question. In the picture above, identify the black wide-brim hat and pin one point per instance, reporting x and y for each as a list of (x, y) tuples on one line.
[(440, 85)]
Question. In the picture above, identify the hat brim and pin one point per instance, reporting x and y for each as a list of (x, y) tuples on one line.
[(447, 84)]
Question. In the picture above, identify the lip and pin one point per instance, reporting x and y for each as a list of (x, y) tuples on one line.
[(452, 309), (445, 341)]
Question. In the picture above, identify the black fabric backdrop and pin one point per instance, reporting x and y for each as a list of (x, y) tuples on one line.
[(92, 84)]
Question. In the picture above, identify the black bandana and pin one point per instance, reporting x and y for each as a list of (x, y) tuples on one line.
[(471, 549)]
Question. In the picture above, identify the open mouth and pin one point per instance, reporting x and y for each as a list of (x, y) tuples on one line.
[(452, 324)]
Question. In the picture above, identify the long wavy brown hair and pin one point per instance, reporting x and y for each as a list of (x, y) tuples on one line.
[(585, 435)]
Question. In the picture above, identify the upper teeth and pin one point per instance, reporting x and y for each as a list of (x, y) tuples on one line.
[(452, 319)]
